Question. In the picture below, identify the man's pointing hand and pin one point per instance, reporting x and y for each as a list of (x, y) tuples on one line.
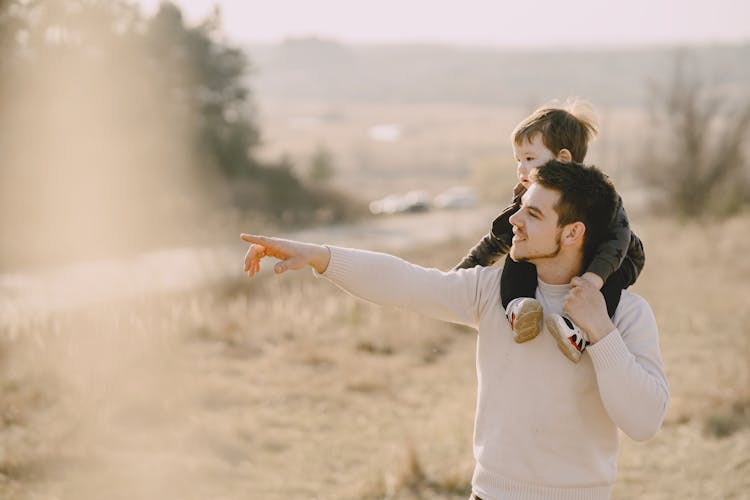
[(292, 254)]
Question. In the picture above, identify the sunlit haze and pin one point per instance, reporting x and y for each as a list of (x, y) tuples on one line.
[(543, 23), (139, 362)]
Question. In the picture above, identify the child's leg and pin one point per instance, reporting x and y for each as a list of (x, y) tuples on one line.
[(517, 289), (571, 340), (612, 289), (518, 280)]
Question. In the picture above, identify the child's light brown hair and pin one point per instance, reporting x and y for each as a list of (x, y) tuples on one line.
[(570, 126)]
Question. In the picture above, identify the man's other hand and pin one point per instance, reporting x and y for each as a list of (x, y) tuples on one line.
[(585, 305)]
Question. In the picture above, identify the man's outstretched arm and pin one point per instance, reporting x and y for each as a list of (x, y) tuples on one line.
[(292, 255), (457, 297)]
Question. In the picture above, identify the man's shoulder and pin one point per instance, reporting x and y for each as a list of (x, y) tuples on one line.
[(633, 299), (633, 307), (483, 273), (487, 275), (487, 281)]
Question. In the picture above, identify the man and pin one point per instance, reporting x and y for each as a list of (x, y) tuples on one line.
[(545, 427)]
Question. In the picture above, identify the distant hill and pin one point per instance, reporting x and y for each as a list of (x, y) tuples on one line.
[(325, 70)]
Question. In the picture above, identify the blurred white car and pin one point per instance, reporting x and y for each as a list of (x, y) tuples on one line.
[(457, 197), (385, 132), (413, 201)]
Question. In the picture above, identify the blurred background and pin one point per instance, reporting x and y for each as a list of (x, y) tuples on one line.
[(138, 139)]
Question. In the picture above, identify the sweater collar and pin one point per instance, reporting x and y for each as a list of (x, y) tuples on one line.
[(553, 292)]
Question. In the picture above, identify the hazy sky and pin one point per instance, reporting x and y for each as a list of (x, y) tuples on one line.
[(517, 23)]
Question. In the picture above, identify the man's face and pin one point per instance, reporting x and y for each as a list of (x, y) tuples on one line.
[(536, 235), (530, 155)]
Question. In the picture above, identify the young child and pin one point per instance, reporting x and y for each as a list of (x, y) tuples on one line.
[(560, 133)]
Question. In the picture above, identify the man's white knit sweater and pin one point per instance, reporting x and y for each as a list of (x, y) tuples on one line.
[(545, 427)]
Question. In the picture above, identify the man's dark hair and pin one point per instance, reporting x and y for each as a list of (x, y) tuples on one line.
[(586, 195)]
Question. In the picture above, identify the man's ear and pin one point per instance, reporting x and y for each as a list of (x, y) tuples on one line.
[(564, 156), (573, 233)]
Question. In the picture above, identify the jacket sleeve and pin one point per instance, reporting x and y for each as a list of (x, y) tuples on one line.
[(495, 244), (485, 253), (622, 248), (630, 372), (456, 297), (633, 263)]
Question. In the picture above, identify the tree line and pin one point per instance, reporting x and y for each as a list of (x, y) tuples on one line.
[(190, 75)]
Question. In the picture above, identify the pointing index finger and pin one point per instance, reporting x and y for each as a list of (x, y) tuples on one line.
[(252, 238)]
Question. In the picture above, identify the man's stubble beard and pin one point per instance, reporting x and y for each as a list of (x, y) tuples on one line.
[(550, 255)]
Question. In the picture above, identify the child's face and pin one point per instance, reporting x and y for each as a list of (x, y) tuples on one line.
[(530, 155)]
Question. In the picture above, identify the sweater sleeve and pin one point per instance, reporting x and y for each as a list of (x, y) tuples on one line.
[(456, 297), (629, 371)]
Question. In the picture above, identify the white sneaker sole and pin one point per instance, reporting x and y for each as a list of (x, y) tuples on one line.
[(563, 343), (528, 319)]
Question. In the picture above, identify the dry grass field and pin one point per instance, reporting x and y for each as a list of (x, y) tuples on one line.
[(285, 387)]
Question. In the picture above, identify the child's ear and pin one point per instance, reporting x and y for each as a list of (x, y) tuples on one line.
[(564, 156), (573, 233)]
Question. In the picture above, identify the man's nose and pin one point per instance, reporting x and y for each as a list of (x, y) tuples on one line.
[(513, 219)]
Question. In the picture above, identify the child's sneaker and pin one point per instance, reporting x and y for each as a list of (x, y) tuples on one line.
[(524, 315), (570, 339)]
